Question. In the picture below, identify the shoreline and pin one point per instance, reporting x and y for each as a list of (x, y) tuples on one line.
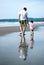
[(11, 29), (9, 24), (7, 30)]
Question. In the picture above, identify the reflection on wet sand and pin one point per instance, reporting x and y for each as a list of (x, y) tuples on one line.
[(31, 43), (23, 48), (31, 39)]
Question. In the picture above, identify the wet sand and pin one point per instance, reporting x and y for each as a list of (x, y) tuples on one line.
[(9, 49), (10, 42), (10, 29)]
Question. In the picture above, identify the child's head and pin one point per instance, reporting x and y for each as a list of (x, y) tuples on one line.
[(31, 21)]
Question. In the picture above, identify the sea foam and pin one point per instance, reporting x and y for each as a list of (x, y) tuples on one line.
[(6, 24)]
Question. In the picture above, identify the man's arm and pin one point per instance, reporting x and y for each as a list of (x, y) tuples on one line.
[(27, 19), (19, 17)]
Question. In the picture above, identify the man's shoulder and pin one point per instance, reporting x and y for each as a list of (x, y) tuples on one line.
[(20, 11)]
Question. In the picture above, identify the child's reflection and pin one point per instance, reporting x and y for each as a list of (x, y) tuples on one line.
[(23, 47), (31, 39), (31, 43)]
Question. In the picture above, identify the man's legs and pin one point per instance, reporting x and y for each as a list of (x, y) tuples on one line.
[(21, 29), (24, 27)]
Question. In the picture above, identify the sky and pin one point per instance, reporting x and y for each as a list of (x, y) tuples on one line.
[(11, 8)]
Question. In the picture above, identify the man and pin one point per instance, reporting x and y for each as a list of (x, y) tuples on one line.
[(23, 19)]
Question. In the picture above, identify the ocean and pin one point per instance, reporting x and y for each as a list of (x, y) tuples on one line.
[(5, 24), (8, 22), (15, 22)]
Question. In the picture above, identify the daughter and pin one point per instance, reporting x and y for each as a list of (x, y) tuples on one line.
[(31, 30), (31, 26)]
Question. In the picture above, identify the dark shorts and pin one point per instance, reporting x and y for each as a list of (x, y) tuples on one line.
[(23, 23)]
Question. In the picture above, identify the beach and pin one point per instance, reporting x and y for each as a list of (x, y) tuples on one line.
[(6, 28), (21, 47), (10, 40), (10, 29)]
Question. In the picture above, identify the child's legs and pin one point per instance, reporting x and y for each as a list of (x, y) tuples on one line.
[(31, 35)]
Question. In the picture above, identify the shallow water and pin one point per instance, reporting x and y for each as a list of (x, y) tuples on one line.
[(11, 51)]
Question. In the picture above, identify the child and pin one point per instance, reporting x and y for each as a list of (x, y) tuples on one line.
[(31, 30), (31, 26)]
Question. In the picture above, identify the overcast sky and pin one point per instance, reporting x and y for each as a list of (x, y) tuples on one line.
[(11, 8)]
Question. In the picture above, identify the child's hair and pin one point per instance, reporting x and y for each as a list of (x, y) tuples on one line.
[(31, 21)]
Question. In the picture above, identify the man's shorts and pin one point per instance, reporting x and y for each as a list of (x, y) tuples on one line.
[(23, 23)]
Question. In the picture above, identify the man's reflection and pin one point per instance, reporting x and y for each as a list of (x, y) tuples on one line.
[(23, 47), (31, 39)]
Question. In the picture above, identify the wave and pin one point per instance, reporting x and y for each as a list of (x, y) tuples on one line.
[(16, 20), (6, 24)]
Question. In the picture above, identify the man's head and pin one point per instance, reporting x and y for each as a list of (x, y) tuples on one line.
[(25, 8)]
